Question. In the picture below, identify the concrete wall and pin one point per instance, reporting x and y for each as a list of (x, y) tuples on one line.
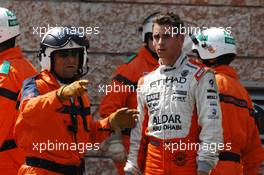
[(118, 22)]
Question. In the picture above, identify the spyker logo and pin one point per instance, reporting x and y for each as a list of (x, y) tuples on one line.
[(184, 73), (211, 82)]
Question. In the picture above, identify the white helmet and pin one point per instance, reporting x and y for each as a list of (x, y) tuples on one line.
[(9, 27), (214, 42), (60, 38), (187, 45), (147, 25)]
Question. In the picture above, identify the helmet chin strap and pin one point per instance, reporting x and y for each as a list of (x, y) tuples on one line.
[(66, 80), (154, 54), (82, 72)]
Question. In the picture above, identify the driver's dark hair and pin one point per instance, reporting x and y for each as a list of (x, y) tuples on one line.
[(170, 19)]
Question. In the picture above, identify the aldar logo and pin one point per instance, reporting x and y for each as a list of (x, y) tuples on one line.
[(175, 119), (167, 122)]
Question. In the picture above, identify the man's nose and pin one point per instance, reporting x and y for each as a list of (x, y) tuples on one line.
[(160, 41)]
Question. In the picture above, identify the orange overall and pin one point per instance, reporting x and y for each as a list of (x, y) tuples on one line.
[(55, 134), (14, 70), (245, 153)]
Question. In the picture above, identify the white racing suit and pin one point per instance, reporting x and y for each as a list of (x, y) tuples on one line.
[(178, 106)]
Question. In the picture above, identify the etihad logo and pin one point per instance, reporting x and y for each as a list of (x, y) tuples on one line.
[(168, 81)]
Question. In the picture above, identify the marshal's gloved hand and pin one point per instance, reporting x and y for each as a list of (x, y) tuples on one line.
[(74, 89), (123, 118)]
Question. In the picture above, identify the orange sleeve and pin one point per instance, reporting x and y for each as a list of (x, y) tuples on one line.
[(10, 85), (8, 97), (41, 106), (100, 130)]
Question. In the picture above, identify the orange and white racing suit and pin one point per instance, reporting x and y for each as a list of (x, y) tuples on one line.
[(180, 119)]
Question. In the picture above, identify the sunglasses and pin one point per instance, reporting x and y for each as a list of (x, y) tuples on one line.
[(68, 52)]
